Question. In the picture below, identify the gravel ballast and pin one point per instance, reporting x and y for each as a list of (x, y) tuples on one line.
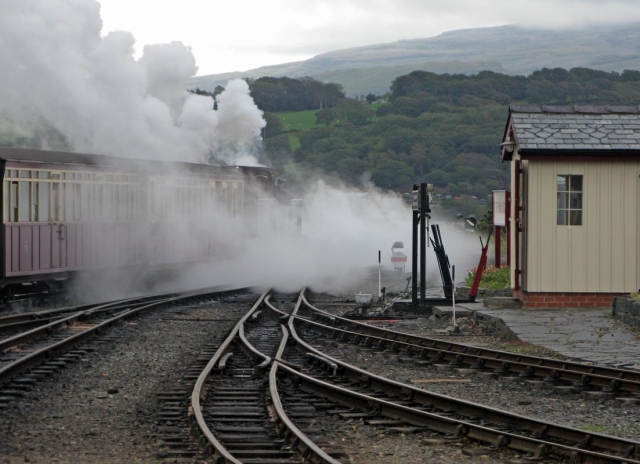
[(103, 408)]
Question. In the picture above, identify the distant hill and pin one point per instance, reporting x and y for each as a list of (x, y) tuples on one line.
[(506, 49)]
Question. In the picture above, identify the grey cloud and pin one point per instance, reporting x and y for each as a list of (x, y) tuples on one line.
[(379, 21)]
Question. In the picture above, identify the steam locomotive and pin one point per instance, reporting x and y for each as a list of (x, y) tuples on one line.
[(70, 213)]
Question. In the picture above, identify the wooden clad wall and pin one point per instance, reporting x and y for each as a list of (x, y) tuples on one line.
[(602, 254)]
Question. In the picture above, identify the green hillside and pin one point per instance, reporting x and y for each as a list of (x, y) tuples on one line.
[(442, 129)]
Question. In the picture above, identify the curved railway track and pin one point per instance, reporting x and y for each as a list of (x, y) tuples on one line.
[(440, 413), (248, 404), (574, 375), (236, 409), (60, 336)]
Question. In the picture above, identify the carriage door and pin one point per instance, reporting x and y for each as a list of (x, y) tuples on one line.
[(58, 236)]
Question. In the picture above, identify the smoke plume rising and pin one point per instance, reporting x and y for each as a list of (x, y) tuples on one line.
[(64, 86)]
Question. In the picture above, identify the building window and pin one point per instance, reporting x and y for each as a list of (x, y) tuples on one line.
[(569, 200)]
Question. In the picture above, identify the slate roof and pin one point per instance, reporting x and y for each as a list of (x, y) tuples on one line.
[(540, 128)]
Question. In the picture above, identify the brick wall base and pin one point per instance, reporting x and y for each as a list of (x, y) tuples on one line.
[(566, 300)]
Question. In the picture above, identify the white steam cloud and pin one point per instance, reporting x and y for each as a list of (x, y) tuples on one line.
[(342, 231), (65, 85), (60, 77)]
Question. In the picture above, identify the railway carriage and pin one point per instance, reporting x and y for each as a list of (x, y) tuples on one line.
[(63, 213)]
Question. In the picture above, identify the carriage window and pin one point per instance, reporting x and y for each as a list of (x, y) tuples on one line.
[(24, 198), (24, 174), (44, 174), (35, 186), (85, 201), (123, 202), (108, 203), (43, 201), (14, 202), (569, 200), (55, 201), (69, 202), (96, 201), (77, 210), (5, 206)]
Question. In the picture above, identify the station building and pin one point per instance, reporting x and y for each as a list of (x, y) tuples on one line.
[(575, 208)]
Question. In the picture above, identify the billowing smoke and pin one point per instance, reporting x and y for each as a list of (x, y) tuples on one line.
[(342, 231), (63, 86)]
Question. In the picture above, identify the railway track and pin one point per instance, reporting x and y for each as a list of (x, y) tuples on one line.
[(29, 354), (254, 400), (379, 396), (560, 374), (236, 409)]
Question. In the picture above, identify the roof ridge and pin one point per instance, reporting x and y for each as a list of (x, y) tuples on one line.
[(575, 109)]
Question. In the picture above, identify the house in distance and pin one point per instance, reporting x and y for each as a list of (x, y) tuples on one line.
[(575, 208)]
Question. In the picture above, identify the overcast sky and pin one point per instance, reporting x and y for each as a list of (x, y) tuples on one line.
[(237, 35)]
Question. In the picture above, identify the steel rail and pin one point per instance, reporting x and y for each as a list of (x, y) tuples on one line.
[(267, 302), (298, 439), (94, 310), (252, 352), (442, 424), (537, 429), (198, 423), (14, 368), (26, 325), (621, 379), (293, 434), (474, 361), (34, 316)]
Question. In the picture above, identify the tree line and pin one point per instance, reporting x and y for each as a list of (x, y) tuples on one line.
[(440, 128)]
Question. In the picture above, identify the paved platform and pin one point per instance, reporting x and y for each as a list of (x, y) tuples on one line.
[(591, 335)]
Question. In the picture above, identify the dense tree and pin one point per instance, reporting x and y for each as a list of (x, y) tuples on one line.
[(351, 169), (419, 157), (279, 150), (274, 126), (326, 116), (443, 129), (391, 174), (287, 94), (353, 111)]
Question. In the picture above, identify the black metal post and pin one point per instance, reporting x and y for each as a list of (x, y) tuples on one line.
[(414, 253), (424, 209)]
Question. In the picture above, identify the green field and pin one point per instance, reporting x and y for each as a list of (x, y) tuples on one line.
[(294, 121), (297, 120)]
